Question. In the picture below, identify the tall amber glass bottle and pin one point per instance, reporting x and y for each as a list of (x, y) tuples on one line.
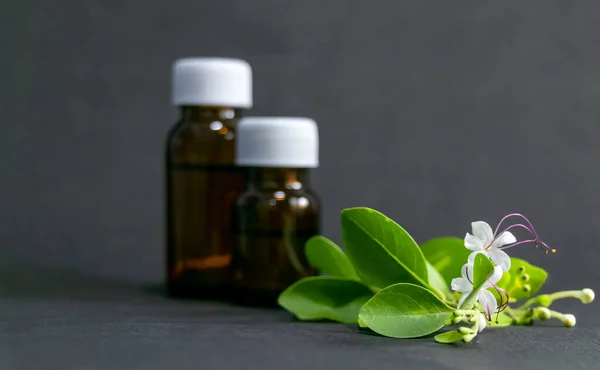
[(201, 177), (277, 212)]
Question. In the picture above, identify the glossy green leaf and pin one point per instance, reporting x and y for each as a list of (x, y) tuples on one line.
[(361, 324), (405, 311), (483, 269), (449, 337), (325, 297), (325, 256), (523, 279), (381, 251), (447, 255), (436, 281)]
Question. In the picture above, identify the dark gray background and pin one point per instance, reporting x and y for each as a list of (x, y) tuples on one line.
[(437, 113)]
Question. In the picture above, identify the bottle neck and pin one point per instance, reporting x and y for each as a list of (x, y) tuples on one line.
[(271, 178), (207, 113)]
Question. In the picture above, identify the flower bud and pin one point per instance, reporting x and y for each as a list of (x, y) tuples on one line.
[(468, 338), (545, 300), (587, 295), (464, 330), (543, 313), (458, 319), (569, 320)]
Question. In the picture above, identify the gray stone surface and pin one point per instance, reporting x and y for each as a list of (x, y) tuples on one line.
[(62, 320)]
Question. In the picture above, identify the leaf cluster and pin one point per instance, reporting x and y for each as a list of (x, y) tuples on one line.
[(384, 281)]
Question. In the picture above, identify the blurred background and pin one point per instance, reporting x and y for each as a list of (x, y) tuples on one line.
[(436, 113)]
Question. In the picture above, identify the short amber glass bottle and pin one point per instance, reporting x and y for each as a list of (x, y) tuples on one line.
[(277, 212), (201, 177)]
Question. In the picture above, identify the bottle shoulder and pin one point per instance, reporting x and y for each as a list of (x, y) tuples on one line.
[(190, 131), (304, 199), (202, 141)]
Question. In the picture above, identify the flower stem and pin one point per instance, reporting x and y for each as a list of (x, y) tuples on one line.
[(465, 312), (513, 315), (566, 319), (526, 318), (547, 299), (472, 331), (566, 294)]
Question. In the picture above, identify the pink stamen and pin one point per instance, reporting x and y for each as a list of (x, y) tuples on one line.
[(518, 243), (504, 298), (515, 215), (488, 312), (537, 240), (518, 225), (467, 271), (503, 302)]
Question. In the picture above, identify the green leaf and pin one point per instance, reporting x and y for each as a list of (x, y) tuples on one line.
[(405, 311), (522, 280), (381, 251), (447, 255), (500, 320), (483, 269), (325, 297), (449, 337), (361, 324), (436, 281), (325, 256)]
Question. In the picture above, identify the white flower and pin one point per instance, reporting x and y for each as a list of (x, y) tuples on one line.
[(482, 323), (484, 241), (464, 285)]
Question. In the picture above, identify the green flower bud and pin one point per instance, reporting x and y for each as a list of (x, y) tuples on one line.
[(543, 313), (468, 338), (464, 330), (545, 300), (458, 319), (587, 295), (569, 320)]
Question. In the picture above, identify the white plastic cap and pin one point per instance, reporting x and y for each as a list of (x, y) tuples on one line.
[(222, 82), (277, 142)]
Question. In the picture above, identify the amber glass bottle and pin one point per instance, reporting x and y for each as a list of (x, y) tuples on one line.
[(277, 212), (201, 177)]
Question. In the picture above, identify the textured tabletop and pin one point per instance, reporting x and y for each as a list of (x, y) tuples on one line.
[(65, 321)]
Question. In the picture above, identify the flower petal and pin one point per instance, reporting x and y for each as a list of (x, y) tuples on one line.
[(503, 239), (482, 323), (488, 301), (467, 272), (500, 258), (473, 243), (461, 285), (497, 275), (483, 231)]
